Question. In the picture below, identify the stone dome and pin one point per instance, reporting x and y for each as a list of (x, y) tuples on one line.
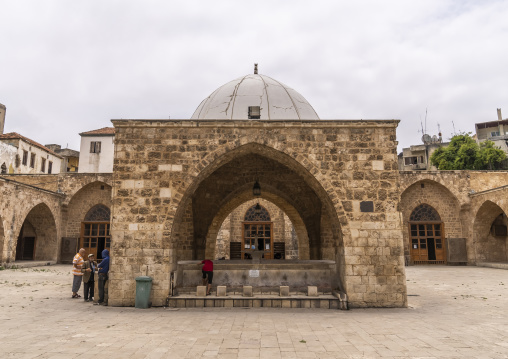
[(255, 97)]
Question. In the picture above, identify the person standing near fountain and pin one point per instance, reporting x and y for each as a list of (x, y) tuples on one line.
[(207, 271)]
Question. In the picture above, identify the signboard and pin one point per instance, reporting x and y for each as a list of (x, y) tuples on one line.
[(254, 273)]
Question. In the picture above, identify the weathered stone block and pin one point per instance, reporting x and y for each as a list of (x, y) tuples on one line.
[(221, 291), (247, 291), (312, 291), (200, 291), (284, 291)]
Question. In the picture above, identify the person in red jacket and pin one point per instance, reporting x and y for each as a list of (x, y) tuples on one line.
[(207, 274)]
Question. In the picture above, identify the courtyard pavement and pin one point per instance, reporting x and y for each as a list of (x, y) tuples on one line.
[(454, 312)]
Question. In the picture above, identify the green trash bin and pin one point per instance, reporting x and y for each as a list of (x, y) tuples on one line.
[(143, 288)]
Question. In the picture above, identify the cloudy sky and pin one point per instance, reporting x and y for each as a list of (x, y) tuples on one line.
[(71, 66)]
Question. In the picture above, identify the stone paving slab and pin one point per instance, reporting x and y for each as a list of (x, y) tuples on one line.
[(454, 312)]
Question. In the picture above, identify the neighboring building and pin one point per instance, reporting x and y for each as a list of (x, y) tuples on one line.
[(495, 131), (97, 151), (70, 158), (30, 157), (417, 157)]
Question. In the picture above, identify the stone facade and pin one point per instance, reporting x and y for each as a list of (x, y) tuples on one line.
[(470, 203), (48, 208), (231, 231), (175, 182)]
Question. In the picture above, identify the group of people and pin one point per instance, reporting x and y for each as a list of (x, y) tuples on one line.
[(84, 271)]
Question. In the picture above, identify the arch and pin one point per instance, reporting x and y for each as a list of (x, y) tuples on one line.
[(3, 168), (437, 197), (446, 179), (37, 238), (245, 196), (232, 170), (95, 193), (489, 233)]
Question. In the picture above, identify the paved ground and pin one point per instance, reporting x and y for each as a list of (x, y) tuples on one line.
[(454, 312)]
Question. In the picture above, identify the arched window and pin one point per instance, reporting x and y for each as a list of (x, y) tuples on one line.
[(424, 213), (426, 236), (257, 213), (95, 230), (4, 168), (98, 213)]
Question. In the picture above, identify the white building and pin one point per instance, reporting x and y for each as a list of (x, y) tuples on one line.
[(21, 155), (97, 151), (495, 131)]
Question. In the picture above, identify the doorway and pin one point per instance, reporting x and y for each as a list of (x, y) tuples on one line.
[(426, 236)]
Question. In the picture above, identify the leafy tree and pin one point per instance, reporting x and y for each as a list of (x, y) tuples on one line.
[(489, 157), (463, 153)]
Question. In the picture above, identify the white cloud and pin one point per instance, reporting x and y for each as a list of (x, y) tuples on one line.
[(68, 67)]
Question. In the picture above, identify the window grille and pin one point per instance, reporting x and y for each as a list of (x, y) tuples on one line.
[(424, 213)]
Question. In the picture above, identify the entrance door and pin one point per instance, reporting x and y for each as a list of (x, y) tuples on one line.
[(95, 235), (257, 240), (25, 248), (427, 243), (257, 232), (426, 236)]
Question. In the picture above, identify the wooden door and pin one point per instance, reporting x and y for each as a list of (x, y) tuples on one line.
[(427, 243), (95, 237), (257, 237)]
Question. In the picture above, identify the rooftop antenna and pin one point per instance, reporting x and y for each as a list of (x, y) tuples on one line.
[(454, 133), (425, 119), (255, 69)]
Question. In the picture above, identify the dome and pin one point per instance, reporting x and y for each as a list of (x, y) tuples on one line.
[(255, 97)]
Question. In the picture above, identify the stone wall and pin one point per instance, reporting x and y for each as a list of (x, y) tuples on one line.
[(338, 174), (231, 229)]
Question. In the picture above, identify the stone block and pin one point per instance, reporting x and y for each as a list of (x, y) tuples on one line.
[(247, 291), (200, 303), (257, 303), (201, 291), (284, 291), (221, 291), (267, 303), (324, 304), (312, 291), (228, 303), (286, 303)]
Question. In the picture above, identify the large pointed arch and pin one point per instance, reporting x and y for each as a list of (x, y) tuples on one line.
[(279, 174), (37, 238), (490, 237)]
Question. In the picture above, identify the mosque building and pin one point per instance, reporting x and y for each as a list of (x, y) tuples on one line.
[(276, 196)]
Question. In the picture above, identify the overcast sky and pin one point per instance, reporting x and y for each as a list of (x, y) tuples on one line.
[(71, 66)]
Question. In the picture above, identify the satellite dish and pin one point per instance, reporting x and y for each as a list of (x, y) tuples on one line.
[(426, 139), (434, 139)]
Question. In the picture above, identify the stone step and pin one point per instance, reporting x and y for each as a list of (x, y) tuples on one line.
[(256, 290), (272, 301)]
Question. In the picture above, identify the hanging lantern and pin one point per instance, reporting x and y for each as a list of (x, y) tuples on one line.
[(256, 190)]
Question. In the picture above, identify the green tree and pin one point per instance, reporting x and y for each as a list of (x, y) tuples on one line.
[(463, 153), (489, 157)]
